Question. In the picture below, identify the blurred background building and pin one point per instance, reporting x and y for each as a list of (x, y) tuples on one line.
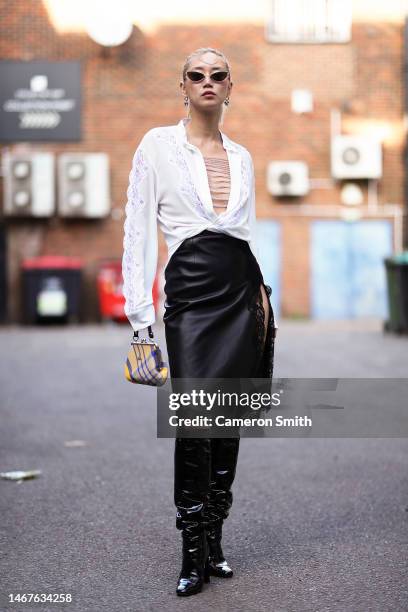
[(318, 99)]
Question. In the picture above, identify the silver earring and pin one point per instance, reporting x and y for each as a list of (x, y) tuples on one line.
[(185, 100), (226, 101)]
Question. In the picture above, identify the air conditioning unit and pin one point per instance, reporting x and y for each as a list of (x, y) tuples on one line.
[(29, 184), (83, 185), (288, 178), (356, 157)]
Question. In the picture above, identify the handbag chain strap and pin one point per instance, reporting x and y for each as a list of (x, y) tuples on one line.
[(149, 329)]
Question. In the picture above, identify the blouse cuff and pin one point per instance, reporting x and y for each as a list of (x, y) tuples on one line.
[(143, 318)]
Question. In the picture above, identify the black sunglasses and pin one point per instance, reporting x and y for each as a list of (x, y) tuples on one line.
[(196, 77)]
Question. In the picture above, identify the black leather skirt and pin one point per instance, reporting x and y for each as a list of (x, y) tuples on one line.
[(214, 317)]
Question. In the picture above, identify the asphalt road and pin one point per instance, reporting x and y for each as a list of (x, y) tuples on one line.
[(317, 525)]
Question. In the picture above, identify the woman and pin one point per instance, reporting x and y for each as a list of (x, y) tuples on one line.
[(199, 185)]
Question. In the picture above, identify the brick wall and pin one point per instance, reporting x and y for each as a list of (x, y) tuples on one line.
[(129, 89)]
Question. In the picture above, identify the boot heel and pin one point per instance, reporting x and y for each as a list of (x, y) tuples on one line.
[(195, 567), (218, 566), (207, 571)]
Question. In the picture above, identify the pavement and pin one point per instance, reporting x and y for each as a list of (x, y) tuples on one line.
[(317, 524)]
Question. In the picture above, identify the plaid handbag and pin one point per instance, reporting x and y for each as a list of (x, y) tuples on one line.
[(144, 364)]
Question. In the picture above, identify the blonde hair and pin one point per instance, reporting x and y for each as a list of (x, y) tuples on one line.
[(199, 52)]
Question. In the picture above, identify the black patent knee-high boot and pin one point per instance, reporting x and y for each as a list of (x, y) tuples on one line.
[(195, 567), (191, 492), (223, 469), (218, 566)]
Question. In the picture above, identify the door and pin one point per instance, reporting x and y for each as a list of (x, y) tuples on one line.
[(347, 268), (269, 246)]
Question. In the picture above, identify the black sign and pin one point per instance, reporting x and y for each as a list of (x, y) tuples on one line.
[(40, 101)]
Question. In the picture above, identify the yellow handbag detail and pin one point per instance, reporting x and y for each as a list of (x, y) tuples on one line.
[(144, 363)]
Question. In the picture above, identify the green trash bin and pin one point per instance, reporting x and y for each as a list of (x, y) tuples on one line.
[(397, 285)]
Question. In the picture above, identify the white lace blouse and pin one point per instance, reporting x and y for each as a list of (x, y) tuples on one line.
[(168, 185)]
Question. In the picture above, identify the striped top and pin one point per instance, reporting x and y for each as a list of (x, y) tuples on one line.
[(218, 173)]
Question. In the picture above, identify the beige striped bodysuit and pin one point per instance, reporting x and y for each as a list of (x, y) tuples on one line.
[(219, 181)]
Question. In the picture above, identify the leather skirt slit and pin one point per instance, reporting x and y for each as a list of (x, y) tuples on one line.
[(214, 316)]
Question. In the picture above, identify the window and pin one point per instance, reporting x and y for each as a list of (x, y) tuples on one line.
[(309, 21)]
